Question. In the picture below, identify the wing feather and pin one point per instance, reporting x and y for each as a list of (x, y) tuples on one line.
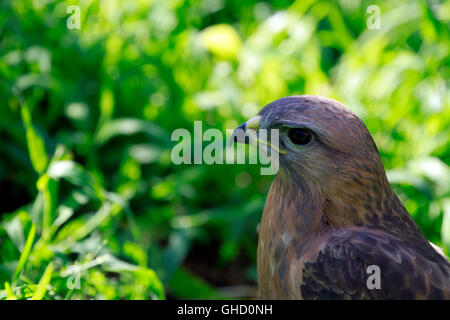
[(407, 270)]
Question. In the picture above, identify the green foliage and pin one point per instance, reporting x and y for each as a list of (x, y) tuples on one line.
[(93, 207)]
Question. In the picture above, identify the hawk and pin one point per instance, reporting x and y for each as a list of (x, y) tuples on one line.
[(332, 223)]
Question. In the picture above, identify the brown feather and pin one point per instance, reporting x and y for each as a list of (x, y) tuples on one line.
[(330, 213)]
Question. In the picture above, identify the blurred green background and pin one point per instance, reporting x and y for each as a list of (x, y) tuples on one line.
[(92, 206)]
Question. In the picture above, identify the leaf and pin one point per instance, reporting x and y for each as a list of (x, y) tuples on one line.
[(176, 250), (26, 252), (222, 40), (35, 143), (114, 264), (149, 278), (135, 252), (9, 293), (43, 283), (185, 285), (129, 126), (145, 153), (67, 169), (49, 189), (106, 103), (445, 230), (75, 174), (74, 201), (80, 228), (28, 80), (15, 232)]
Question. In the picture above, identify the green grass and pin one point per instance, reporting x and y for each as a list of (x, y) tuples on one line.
[(93, 207)]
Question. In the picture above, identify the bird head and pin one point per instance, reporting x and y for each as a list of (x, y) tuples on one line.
[(326, 154)]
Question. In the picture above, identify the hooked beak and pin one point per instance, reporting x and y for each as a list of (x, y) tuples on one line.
[(247, 133), (239, 135)]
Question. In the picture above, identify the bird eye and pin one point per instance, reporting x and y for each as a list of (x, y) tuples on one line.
[(300, 136)]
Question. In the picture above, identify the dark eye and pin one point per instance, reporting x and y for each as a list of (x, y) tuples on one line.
[(300, 136)]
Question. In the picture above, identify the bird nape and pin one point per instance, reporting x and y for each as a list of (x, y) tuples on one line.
[(332, 227)]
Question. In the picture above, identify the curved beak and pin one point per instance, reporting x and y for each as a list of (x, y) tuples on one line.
[(240, 134), (247, 133)]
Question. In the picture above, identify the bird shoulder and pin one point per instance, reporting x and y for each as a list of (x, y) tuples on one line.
[(348, 263)]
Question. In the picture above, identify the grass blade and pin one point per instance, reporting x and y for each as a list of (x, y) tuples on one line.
[(36, 145), (9, 293), (43, 283), (26, 252)]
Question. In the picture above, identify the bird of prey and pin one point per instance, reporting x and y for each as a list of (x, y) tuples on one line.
[(332, 222)]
